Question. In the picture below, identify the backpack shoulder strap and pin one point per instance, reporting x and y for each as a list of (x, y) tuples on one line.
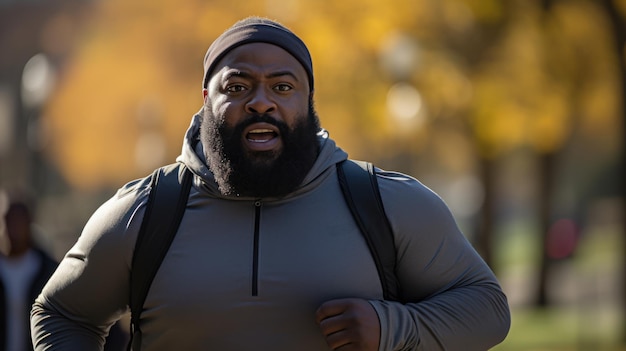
[(360, 189), (164, 211)]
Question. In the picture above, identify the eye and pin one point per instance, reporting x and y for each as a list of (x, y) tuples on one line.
[(235, 88), (283, 87)]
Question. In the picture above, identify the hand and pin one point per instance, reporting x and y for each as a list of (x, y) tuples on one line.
[(349, 324)]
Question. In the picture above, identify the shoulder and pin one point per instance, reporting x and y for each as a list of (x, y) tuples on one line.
[(404, 190), (122, 213), (112, 229), (127, 198), (133, 189), (415, 212)]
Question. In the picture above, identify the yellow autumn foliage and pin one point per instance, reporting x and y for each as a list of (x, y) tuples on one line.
[(135, 74)]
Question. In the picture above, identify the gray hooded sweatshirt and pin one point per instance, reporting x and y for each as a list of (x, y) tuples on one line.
[(249, 274)]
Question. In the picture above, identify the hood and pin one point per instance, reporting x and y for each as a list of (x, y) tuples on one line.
[(193, 157)]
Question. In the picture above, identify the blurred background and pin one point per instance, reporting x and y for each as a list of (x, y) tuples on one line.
[(513, 111)]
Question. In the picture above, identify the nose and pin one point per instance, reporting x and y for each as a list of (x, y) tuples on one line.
[(260, 102)]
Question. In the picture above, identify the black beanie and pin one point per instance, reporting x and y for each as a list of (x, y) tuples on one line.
[(257, 30)]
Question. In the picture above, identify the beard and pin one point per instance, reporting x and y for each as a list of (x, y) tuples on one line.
[(241, 172)]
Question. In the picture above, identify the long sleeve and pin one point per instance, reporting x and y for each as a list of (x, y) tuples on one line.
[(89, 290), (452, 300)]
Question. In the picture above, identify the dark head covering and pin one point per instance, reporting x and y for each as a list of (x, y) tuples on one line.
[(257, 30)]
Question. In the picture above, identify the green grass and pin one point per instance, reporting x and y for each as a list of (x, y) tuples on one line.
[(563, 329), (590, 318)]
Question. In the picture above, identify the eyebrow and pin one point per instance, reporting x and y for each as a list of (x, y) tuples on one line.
[(283, 73), (242, 74)]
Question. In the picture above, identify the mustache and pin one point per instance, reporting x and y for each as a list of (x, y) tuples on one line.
[(261, 118)]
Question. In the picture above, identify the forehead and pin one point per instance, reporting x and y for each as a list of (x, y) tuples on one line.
[(262, 58)]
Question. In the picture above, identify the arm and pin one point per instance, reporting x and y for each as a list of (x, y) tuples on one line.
[(453, 300), (89, 290)]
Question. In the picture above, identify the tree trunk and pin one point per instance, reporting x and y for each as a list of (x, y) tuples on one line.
[(484, 233), (619, 37), (546, 176)]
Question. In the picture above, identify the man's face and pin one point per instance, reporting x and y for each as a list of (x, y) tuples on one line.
[(259, 126)]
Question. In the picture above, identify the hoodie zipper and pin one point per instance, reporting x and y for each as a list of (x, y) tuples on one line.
[(255, 252)]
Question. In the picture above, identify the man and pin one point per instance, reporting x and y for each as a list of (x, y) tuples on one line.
[(268, 255), (24, 269)]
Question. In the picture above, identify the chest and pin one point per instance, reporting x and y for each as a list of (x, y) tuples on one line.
[(269, 251), (259, 268), (232, 252)]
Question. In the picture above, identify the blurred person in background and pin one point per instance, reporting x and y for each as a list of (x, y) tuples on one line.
[(24, 270), (268, 255), (25, 267)]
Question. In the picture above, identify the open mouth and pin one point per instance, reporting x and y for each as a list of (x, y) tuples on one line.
[(262, 137)]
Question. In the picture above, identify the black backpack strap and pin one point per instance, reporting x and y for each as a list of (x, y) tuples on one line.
[(164, 211), (360, 189)]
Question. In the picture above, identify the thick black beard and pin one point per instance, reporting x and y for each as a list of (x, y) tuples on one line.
[(240, 172)]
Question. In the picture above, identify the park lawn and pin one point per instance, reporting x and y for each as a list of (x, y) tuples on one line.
[(562, 329)]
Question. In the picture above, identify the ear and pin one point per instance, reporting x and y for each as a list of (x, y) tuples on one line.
[(205, 93)]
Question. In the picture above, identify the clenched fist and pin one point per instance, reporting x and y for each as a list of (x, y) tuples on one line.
[(349, 324)]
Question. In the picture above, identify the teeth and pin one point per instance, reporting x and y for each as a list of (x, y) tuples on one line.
[(264, 135)]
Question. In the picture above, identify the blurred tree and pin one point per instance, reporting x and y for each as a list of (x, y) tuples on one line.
[(538, 88), (581, 66), (477, 47), (616, 12), (39, 30)]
